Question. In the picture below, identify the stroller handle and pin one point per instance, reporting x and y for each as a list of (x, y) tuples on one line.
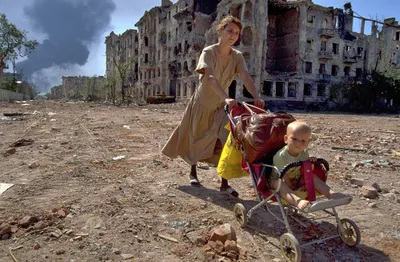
[(300, 163)]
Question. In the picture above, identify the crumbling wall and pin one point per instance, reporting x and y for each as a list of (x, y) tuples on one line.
[(282, 39)]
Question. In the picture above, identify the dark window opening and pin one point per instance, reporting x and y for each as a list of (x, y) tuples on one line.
[(322, 68), (307, 89), (280, 89), (232, 90), (347, 70), (267, 88), (246, 93), (358, 72), (321, 90), (308, 67), (397, 36), (335, 48), (146, 58), (360, 51), (335, 70), (146, 41)]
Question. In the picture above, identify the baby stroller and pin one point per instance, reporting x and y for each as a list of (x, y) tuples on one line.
[(290, 247)]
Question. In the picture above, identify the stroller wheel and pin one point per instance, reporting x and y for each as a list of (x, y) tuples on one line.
[(351, 235), (239, 211), (290, 248)]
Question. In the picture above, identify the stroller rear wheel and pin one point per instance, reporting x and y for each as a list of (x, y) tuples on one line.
[(240, 214), (351, 235), (290, 248)]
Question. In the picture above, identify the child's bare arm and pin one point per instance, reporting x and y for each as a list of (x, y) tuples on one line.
[(287, 180)]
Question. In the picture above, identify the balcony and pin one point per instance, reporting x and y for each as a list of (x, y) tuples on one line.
[(326, 32), (325, 55), (349, 57)]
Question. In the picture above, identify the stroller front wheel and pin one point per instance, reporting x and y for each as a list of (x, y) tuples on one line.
[(239, 211), (351, 235), (290, 248)]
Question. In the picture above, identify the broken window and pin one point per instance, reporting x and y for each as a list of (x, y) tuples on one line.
[(335, 70), (179, 48), (246, 93), (347, 70), (184, 90), (163, 38), (321, 89), (146, 41), (267, 88), (347, 48), (292, 89), (236, 10), (360, 51), (358, 72), (335, 48), (248, 12), (397, 36), (308, 67), (146, 58), (247, 36), (336, 22), (280, 89), (158, 72), (309, 45), (185, 66), (189, 26), (186, 47), (193, 67), (311, 19), (307, 89), (322, 68), (323, 45), (158, 55), (325, 23)]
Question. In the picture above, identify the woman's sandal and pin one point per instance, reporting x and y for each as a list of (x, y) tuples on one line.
[(193, 181), (230, 191)]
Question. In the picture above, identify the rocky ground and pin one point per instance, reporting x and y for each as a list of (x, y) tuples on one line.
[(90, 184)]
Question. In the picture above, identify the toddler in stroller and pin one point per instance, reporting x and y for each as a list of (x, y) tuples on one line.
[(285, 180), (297, 139)]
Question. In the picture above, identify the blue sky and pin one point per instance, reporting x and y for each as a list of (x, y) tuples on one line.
[(128, 12)]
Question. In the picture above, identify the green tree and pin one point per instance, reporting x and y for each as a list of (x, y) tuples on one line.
[(111, 84), (123, 67), (13, 43)]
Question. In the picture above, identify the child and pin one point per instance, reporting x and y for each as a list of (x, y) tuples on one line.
[(297, 138)]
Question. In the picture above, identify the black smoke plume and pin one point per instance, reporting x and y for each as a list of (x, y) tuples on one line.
[(71, 26)]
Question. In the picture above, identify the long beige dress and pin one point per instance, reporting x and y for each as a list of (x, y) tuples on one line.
[(204, 118)]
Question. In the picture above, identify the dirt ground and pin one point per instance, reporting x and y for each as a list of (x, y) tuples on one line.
[(90, 184)]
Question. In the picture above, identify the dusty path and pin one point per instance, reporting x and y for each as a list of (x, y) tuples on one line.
[(85, 206)]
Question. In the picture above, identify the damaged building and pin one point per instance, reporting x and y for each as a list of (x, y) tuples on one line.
[(295, 50), (80, 87)]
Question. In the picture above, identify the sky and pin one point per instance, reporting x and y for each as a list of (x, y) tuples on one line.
[(118, 16)]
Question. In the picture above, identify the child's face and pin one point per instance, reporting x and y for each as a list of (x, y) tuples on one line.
[(297, 141)]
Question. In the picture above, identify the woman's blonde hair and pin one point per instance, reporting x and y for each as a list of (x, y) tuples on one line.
[(228, 19)]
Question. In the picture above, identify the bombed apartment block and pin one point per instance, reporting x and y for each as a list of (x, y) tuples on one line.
[(123, 51), (80, 88), (294, 50)]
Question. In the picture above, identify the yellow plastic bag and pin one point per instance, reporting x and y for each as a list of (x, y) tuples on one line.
[(230, 162)]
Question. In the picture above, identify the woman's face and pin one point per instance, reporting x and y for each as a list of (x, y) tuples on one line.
[(230, 34)]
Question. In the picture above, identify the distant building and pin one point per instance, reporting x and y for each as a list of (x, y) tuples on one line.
[(80, 87)]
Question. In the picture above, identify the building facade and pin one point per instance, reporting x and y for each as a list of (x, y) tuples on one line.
[(295, 50), (80, 87)]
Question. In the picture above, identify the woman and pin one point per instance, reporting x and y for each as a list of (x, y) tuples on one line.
[(201, 133)]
